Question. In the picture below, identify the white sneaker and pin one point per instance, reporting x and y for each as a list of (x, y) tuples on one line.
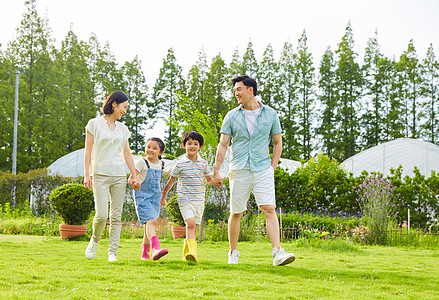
[(91, 250), (112, 258), (281, 257), (233, 257)]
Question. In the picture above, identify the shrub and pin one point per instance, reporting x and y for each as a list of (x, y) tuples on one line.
[(320, 185), (173, 210), (375, 198), (72, 202)]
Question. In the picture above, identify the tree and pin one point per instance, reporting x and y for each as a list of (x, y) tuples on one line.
[(32, 50), (373, 104), (348, 85), (304, 80), (286, 108), (196, 81), (430, 93), (137, 91), (74, 96), (217, 90), (328, 100), (167, 87), (410, 89), (267, 83), (249, 62)]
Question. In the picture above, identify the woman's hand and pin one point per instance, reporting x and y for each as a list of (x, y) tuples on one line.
[(88, 184), (134, 183)]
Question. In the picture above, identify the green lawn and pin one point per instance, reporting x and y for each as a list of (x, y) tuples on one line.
[(37, 267)]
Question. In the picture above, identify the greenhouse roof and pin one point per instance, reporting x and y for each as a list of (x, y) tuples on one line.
[(409, 153), (72, 165)]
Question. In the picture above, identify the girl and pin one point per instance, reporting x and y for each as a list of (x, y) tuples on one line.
[(108, 139), (149, 170)]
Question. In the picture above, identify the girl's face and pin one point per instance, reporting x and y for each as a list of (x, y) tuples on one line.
[(152, 150), (120, 109)]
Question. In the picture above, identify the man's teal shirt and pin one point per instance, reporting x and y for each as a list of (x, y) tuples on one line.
[(256, 147)]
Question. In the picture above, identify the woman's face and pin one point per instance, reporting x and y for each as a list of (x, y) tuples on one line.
[(120, 109)]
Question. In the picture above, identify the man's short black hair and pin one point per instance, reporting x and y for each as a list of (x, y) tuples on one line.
[(192, 135), (247, 81)]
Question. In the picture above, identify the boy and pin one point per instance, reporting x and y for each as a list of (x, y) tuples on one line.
[(190, 171)]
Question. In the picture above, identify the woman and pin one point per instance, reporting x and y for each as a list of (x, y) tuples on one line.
[(106, 152)]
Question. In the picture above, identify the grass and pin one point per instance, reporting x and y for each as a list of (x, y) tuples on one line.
[(34, 267)]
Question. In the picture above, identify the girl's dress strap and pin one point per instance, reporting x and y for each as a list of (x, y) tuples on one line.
[(146, 162)]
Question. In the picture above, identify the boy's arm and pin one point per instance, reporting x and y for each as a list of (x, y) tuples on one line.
[(166, 190), (210, 179)]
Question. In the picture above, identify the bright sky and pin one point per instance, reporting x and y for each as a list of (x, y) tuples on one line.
[(148, 28)]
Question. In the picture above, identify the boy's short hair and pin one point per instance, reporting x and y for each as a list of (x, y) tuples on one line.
[(247, 81), (193, 135)]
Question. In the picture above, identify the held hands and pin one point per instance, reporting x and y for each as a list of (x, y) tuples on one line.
[(134, 183), (217, 180)]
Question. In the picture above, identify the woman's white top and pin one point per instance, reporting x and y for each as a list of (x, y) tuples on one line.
[(108, 145), (143, 169)]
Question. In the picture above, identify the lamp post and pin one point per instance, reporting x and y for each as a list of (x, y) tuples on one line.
[(14, 149)]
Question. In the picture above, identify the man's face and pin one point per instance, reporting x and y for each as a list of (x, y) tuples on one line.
[(243, 93)]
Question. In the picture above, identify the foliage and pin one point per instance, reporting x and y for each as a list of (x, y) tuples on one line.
[(72, 202), (182, 121), (320, 185), (310, 221), (375, 196), (33, 187), (173, 210)]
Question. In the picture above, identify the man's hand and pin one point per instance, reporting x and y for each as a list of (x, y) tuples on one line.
[(218, 181)]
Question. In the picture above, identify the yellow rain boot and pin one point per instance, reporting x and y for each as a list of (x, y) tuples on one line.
[(185, 249), (192, 254)]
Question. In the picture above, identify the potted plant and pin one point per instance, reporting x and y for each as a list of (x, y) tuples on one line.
[(178, 227), (73, 203)]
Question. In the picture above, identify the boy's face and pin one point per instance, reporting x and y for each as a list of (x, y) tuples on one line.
[(192, 147)]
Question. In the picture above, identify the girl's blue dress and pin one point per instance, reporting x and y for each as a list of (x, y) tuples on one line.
[(148, 197)]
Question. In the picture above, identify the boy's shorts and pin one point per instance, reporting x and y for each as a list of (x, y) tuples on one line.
[(243, 182), (192, 209)]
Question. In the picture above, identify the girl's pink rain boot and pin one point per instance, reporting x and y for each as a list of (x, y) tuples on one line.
[(155, 247), (145, 252)]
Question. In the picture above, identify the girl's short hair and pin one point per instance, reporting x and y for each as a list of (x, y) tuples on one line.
[(159, 141), (116, 96), (193, 135)]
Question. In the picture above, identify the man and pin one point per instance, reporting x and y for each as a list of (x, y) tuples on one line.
[(250, 127)]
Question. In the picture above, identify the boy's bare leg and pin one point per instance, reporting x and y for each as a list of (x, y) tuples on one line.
[(233, 230), (191, 228), (272, 224)]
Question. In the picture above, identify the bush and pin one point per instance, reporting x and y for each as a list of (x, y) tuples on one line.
[(375, 197), (173, 210), (320, 185), (72, 202)]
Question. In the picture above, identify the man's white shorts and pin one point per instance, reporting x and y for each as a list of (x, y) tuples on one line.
[(192, 209), (243, 182)]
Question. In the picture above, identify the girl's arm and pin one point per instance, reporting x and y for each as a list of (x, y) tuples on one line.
[(166, 189), (132, 181), (87, 159)]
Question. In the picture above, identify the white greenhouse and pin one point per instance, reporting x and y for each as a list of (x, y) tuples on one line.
[(72, 165), (409, 153)]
